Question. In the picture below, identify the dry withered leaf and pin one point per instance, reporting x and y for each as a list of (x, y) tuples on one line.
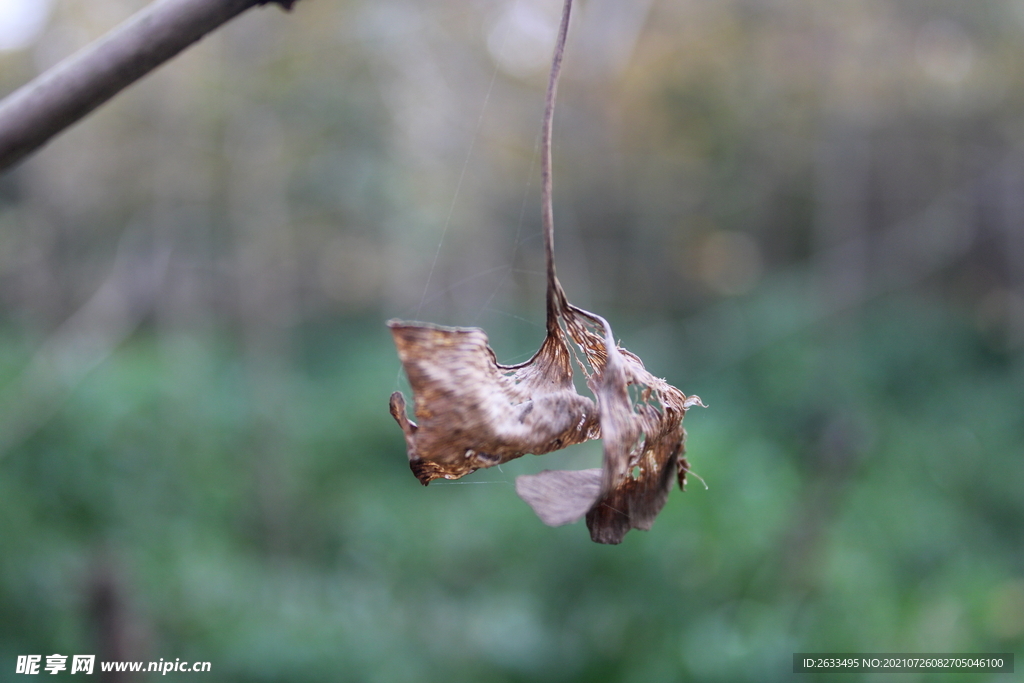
[(473, 412), (643, 439)]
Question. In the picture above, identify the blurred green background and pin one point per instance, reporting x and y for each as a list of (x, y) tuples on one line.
[(810, 214)]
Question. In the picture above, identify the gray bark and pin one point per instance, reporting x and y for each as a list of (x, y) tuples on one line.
[(39, 110)]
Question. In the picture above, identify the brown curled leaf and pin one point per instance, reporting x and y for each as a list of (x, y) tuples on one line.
[(643, 434), (472, 412)]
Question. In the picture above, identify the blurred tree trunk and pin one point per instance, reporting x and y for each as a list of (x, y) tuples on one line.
[(36, 112)]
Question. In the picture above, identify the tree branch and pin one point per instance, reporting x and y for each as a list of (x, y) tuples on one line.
[(61, 96)]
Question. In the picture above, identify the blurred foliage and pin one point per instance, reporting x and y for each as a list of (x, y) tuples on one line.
[(809, 215)]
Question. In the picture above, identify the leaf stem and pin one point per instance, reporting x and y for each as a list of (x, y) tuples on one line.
[(554, 289)]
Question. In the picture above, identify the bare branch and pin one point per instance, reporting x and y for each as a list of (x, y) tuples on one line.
[(39, 110)]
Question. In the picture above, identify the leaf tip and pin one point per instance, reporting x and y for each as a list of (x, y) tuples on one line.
[(560, 497)]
